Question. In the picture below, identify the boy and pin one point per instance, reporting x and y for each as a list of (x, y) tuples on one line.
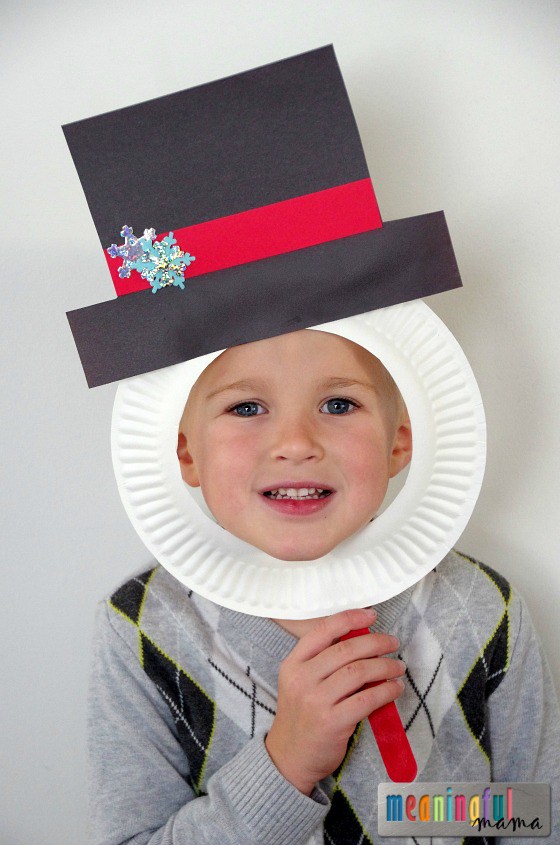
[(208, 725)]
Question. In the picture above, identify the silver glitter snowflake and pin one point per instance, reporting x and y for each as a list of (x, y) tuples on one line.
[(161, 263)]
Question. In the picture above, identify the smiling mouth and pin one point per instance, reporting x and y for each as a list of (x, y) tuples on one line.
[(298, 494)]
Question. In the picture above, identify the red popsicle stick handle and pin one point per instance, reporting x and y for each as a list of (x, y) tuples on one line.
[(390, 735)]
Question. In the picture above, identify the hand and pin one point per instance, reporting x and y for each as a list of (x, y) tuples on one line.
[(321, 696)]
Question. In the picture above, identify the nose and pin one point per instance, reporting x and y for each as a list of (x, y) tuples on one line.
[(296, 438)]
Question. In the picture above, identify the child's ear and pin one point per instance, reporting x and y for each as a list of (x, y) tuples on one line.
[(402, 447), (186, 460)]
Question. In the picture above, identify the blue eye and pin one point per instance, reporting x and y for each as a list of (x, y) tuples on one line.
[(338, 406), (247, 409)]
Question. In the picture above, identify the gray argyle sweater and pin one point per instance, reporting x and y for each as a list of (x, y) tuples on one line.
[(183, 692)]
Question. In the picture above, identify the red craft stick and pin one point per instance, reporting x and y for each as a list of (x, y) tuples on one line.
[(390, 735)]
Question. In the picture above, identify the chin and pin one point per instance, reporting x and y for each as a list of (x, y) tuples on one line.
[(291, 554)]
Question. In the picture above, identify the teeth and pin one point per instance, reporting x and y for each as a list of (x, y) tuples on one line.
[(292, 493)]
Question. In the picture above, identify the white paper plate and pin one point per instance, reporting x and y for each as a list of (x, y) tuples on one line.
[(403, 544)]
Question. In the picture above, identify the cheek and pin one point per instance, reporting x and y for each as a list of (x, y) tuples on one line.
[(366, 459), (226, 461), (366, 446)]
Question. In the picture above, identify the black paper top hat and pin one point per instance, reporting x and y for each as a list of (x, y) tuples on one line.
[(260, 177)]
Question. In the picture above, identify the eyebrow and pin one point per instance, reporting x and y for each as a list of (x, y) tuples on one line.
[(243, 384), (257, 385), (332, 383)]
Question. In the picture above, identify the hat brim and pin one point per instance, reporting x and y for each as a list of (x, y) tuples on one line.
[(393, 552), (407, 259)]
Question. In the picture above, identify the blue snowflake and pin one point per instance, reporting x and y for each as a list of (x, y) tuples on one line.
[(161, 263)]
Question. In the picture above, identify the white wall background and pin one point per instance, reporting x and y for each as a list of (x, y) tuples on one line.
[(457, 103)]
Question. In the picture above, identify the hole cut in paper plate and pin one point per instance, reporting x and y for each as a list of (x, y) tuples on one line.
[(390, 554)]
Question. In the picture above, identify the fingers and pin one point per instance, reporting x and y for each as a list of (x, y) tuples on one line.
[(354, 676), (360, 705), (346, 652), (327, 630)]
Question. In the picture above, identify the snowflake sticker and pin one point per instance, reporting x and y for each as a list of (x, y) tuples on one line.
[(161, 263)]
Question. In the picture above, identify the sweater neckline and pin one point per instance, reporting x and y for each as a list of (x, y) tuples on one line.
[(271, 638)]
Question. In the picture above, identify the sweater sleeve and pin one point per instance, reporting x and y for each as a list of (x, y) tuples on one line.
[(137, 770), (524, 716)]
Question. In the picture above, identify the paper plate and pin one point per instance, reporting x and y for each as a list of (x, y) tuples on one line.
[(393, 552)]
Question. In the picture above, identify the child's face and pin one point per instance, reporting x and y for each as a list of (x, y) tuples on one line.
[(294, 412)]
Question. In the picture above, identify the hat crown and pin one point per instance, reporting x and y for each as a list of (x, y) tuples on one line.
[(256, 138)]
